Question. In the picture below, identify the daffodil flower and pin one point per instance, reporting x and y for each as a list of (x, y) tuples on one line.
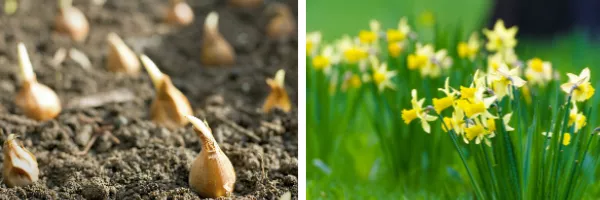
[(538, 72), (579, 86), (456, 123), (400, 34), (566, 138), (576, 118), (421, 57), (370, 37), (325, 59), (352, 50), (503, 78), (494, 62), (478, 133), (469, 49), (500, 38), (381, 76), (437, 62), (417, 111), (441, 104), (313, 39)]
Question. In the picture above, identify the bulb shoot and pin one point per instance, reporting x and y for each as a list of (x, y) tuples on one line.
[(216, 51), (278, 98), (211, 174), (120, 57)]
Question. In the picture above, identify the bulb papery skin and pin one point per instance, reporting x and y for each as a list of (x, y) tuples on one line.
[(170, 106), (180, 13), (72, 21), (121, 58), (211, 174), (216, 51), (38, 101), (246, 3), (282, 25), (20, 167)]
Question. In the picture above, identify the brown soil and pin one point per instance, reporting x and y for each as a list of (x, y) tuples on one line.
[(150, 162)]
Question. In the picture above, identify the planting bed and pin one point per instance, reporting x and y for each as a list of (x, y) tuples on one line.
[(150, 162)]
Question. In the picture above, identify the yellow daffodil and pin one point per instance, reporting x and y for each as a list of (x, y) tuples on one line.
[(421, 57), (313, 39), (353, 52), (439, 61), (566, 139), (503, 79), (417, 111), (381, 76), (478, 133), (579, 86), (494, 62), (441, 104), (325, 59), (427, 18), (500, 38), (395, 48), (538, 72), (469, 49), (576, 118), (456, 123), (490, 123), (400, 34), (370, 37)]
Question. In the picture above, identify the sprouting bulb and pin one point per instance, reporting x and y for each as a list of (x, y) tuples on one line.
[(211, 173), (216, 51), (36, 100), (170, 106), (179, 13), (120, 57), (278, 98), (71, 21), (282, 23), (20, 167)]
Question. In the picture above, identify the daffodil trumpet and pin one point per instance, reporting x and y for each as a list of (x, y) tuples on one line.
[(278, 98), (36, 100), (170, 106), (216, 51), (71, 21), (121, 58), (211, 174), (179, 13), (20, 167)]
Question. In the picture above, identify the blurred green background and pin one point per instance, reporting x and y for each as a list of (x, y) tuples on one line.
[(355, 173)]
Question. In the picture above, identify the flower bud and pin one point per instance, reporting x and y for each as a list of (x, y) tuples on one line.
[(120, 57), (278, 98), (215, 50), (71, 21), (211, 173), (36, 100), (179, 13), (282, 23), (246, 3), (20, 167), (170, 106)]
